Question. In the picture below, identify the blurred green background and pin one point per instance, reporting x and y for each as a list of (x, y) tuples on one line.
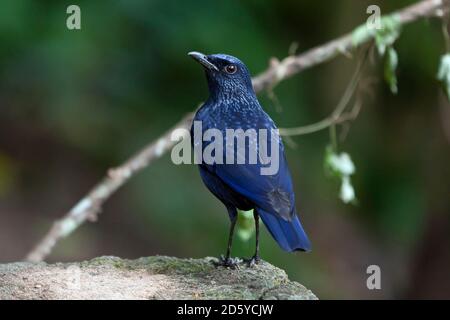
[(74, 103)]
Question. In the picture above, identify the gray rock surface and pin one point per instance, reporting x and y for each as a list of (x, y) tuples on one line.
[(156, 277)]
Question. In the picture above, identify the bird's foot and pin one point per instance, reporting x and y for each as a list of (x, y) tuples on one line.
[(253, 261), (228, 262)]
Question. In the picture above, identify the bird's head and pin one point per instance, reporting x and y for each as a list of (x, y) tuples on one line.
[(227, 76)]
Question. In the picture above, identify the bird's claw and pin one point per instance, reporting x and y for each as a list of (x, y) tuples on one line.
[(253, 261), (228, 262)]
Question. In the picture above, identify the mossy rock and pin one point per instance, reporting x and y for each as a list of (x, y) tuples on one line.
[(156, 277)]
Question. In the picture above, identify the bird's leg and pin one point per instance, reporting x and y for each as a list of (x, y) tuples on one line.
[(227, 261), (255, 259), (230, 238)]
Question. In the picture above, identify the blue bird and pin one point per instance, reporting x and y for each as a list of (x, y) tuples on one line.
[(232, 104)]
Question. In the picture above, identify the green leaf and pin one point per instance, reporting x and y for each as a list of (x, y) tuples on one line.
[(387, 34), (444, 73), (341, 167), (347, 192), (384, 36), (361, 35), (390, 65), (384, 41)]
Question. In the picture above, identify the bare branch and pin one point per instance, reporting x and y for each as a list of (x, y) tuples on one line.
[(89, 207)]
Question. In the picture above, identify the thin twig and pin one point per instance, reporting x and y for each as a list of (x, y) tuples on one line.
[(351, 115), (445, 34), (89, 207), (335, 117)]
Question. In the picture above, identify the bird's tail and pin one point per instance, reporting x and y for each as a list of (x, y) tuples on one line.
[(289, 234)]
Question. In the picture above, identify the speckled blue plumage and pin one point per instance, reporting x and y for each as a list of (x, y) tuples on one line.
[(232, 104)]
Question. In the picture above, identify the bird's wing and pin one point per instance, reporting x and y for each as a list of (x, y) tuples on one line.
[(222, 191), (272, 193)]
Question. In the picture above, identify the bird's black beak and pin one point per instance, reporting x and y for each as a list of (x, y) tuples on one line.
[(202, 59)]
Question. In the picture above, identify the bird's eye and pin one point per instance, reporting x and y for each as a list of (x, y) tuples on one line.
[(230, 69)]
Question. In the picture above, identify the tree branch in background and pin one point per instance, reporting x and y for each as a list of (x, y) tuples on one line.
[(292, 65), (89, 207)]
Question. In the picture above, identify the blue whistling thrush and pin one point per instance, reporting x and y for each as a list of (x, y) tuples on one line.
[(232, 104)]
